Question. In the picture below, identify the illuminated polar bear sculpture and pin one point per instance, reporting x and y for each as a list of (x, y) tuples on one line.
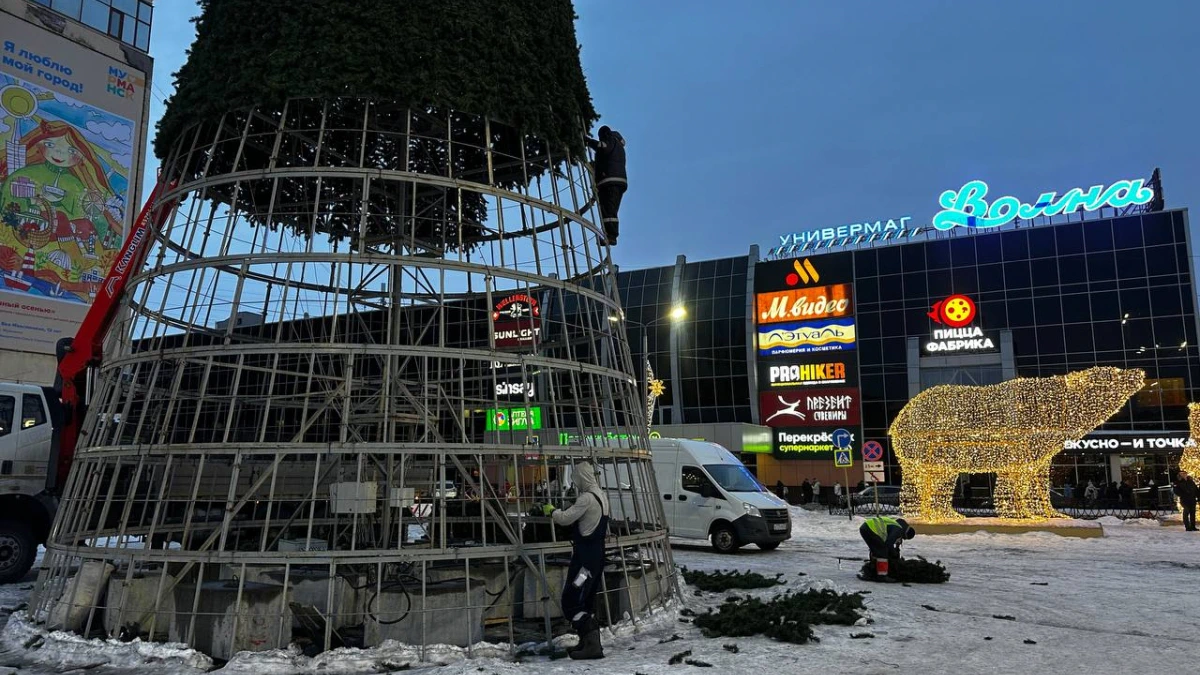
[(1013, 429)]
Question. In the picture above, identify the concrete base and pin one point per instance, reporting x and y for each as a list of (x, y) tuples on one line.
[(450, 617), (532, 592), (223, 626), (1062, 527), (623, 601), (133, 602)]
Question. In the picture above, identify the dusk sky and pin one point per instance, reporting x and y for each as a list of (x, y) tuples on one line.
[(745, 124)]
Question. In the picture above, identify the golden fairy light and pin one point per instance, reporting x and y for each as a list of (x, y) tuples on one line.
[(655, 388), (1190, 461), (1013, 429)]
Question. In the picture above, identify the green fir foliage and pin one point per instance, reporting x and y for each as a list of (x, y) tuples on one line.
[(516, 61), (788, 617), (910, 570), (721, 580)]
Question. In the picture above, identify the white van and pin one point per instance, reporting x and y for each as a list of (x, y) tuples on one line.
[(708, 494)]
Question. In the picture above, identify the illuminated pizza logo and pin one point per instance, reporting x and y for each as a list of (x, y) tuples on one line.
[(500, 420), (955, 311)]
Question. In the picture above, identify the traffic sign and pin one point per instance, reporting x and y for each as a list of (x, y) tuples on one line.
[(842, 439), (842, 458), (872, 466), (874, 477), (872, 451)]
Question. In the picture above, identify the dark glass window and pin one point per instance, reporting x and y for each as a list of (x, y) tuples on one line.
[(891, 288), (33, 412), (1044, 272), (889, 260), (1157, 229), (1098, 236), (988, 249), (941, 283), (866, 290), (1107, 336), (1075, 309), (1131, 264), (870, 351), (1016, 274), (894, 350), (966, 280), (866, 263), (962, 251), (1105, 305), (994, 314), (913, 258), (991, 277), (1047, 311), (937, 254), (1079, 339), (1041, 242), (1050, 340), (1072, 269), (867, 325), (1101, 267), (915, 286), (1160, 260), (1015, 245), (1025, 341), (1020, 313), (1069, 238), (1165, 301), (1127, 232)]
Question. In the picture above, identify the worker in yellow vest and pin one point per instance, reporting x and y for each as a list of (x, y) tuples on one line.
[(884, 535)]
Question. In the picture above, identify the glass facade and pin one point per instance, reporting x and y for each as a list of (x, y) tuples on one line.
[(706, 373), (1107, 292), (126, 20)]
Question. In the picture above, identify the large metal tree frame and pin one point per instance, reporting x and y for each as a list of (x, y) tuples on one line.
[(320, 343)]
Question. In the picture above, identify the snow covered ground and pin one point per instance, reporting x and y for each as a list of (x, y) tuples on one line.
[(1127, 601)]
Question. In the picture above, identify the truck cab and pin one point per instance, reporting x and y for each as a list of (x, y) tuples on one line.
[(26, 509), (708, 494)]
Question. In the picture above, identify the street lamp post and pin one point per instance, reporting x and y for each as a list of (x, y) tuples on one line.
[(678, 313)]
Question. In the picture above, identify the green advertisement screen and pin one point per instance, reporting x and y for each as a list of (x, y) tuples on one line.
[(514, 419)]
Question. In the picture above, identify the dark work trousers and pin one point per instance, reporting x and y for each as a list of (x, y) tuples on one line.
[(588, 555), (881, 549), (611, 193), (1189, 516)]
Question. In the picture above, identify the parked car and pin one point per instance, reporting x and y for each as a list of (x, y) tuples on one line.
[(448, 490), (888, 494)]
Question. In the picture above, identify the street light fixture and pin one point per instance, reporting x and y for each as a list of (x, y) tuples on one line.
[(678, 313)]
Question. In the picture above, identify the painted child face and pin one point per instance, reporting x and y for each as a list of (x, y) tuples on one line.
[(60, 152)]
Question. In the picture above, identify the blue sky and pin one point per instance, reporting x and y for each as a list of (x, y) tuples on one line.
[(744, 123)]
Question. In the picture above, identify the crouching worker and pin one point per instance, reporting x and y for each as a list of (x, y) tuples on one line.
[(589, 520), (884, 536)]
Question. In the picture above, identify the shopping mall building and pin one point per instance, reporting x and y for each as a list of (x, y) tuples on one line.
[(826, 334)]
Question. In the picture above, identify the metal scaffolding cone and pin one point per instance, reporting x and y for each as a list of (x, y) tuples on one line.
[(368, 341)]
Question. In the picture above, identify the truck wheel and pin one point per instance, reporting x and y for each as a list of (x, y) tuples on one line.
[(769, 545), (725, 540), (17, 550)]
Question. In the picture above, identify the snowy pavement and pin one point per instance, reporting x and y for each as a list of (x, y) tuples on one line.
[(1014, 603)]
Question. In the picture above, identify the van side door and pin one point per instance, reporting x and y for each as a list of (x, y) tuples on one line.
[(694, 511), (8, 436)]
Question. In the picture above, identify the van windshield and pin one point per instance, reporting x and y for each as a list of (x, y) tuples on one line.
[(733, 477)]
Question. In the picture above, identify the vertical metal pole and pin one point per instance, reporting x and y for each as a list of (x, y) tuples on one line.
[(646, 377)]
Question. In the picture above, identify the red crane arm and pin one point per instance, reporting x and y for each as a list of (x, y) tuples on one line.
[(76, 355)]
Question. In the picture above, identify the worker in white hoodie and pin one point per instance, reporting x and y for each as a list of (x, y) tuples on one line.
[(589, 520)]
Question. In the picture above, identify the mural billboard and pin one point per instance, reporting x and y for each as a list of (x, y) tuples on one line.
[(72, 123)]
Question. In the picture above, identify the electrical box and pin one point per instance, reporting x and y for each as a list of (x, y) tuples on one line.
[(401, 498), (353, 497)]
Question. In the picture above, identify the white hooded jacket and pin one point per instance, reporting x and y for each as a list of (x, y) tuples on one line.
[(590, 504)]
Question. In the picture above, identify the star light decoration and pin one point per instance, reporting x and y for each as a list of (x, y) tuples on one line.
[(1013, 429), (654, 389)]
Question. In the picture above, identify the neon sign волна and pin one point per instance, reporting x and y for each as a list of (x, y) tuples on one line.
[(967, 208)]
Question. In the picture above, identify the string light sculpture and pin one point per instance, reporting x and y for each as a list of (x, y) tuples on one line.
[(1013, 429), (1190, 461)]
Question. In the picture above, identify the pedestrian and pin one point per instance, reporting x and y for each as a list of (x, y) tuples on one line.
[(816, 491), (611, 180), (837, 493), (805, 492), (780, 489), (1068, 491), (1090, 493), (884, 535), (1185, 491), (589, 516)]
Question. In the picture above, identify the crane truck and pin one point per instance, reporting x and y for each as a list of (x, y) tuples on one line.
[(40, 426)]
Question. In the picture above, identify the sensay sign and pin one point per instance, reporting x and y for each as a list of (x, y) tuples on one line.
[(967, 208)]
